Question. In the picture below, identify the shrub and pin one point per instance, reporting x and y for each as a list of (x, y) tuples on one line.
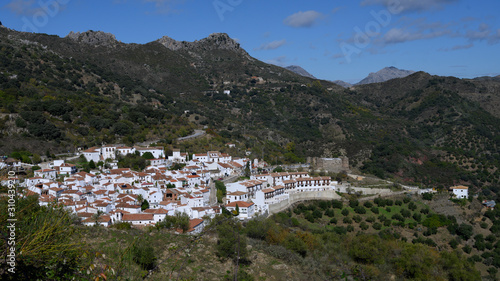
[(357, 218), (412, 206), (337, 204), (294, 243), (310, 217), (405, 213), (398, 217), (367, 249), (453, 243), (353, 203), (467, 249), (360, 210), (427, 196), (370, 219), (465, 231), (368, 204), (317, 214), (347, 220), (330, 213), (417, 217), (377, 226), (345, 212), (364, 226), (143, 254), (340, 230), (374, 210)]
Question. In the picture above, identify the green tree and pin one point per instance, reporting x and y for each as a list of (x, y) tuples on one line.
[(230, 243), (46, 244), (221, 190), (36, 158), (144, 205), (247, 170), (148, 155), (143, 254)]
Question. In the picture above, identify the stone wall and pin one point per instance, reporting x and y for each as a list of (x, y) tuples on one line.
[(334, 165), (302, 196)]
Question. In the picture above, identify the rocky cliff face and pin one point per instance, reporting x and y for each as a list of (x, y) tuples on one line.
[(213, 41), (93, 38)]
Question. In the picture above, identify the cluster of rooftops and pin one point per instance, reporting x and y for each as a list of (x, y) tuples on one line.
[(107, 196)]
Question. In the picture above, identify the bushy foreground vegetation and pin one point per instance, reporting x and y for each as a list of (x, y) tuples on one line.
[(373, 240)]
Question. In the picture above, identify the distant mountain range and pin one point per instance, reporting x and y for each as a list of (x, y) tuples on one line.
[(300, 71)]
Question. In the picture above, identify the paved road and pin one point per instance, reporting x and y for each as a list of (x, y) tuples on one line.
[(197, 133)]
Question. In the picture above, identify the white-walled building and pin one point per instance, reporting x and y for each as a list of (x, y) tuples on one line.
[(246, 209), (460, 191)]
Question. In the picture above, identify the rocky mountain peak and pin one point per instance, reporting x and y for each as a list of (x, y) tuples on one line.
[(299, 70), (93, 37), (385, 74), (213, 41)]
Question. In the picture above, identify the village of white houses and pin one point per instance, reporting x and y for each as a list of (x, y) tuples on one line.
[(106, 196)]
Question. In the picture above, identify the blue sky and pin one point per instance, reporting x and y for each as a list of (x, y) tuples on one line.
[(344, 40)]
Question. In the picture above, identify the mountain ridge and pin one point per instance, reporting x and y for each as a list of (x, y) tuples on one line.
[(385, 74), (299, 70), (148, 91)]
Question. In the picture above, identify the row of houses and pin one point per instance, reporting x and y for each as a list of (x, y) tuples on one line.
[(106, 152), (255, 195)]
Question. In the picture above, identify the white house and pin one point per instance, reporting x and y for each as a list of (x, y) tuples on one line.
[(246, 209), (67, 169), (138, 219), (177, 156), (93, 153), (46, 173), (124, 150), (108, 152), (196, 226), (236, 196), (460, 191), (157, 152)]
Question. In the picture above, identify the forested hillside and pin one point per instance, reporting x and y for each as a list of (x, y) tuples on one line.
[(88, 89)]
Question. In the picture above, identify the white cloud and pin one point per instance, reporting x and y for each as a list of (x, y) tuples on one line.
[(271, 45), (303, 19), (458, 47), (161, 6), (22, 7), (410, 5)]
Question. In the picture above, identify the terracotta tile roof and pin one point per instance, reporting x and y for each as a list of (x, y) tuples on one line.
[(459, 187), (137, 217), (240, 204)]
